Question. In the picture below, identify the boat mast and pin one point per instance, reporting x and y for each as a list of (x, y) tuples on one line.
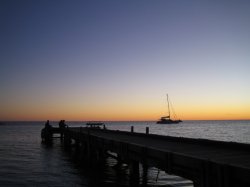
[(168, 107)]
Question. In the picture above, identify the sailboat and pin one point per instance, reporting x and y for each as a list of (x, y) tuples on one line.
[(167, 119)]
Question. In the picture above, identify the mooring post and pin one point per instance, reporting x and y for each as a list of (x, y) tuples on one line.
[(147, 130), (132, 129)]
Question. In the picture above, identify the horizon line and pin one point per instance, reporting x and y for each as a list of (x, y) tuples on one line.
[(122, 120)]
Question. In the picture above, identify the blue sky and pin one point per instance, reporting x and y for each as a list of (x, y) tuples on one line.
[(85, 56)]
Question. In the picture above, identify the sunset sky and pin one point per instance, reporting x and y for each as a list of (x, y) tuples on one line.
[(117, 60)]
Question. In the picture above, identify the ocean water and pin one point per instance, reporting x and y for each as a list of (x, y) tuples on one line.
[(24, 161)]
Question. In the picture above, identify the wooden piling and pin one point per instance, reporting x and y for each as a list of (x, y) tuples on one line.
[(134, 173)]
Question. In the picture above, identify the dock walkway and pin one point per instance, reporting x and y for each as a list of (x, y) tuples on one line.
[(207, 163)]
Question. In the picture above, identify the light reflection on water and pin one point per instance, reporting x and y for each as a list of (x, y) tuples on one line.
[(24, 161)]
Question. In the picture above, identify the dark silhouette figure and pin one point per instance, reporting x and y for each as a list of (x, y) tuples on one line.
[(62, 127), (46, 133), (62, 124), (47, 125)]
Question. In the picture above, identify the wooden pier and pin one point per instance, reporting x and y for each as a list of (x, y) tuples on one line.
[(207, 163)]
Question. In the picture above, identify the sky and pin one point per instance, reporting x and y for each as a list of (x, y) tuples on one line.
[(117, 60)]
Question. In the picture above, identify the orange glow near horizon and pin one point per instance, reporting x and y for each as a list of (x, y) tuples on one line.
[(118, 107), (125, 113)]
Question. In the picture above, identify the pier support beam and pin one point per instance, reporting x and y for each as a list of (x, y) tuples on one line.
[(67, 141), (216, 175), (144, 174), (134, 173), (47, 136), (77, 149), (119, 161), (61, 134)]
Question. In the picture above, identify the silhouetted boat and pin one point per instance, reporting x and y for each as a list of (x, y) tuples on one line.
[(167, 119), (95, 125)]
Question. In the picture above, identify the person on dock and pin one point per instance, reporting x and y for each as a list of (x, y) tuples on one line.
[(62, 124), (46, 133), (47, 125)]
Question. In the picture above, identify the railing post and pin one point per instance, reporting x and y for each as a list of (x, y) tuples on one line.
[(147, 130), (132, 129)]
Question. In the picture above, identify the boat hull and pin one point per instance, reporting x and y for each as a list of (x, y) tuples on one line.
[(168, 121)]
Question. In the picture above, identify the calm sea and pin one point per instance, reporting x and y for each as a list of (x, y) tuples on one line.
[(24, 161)]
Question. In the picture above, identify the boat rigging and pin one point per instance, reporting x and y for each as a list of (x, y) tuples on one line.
[(167, 119)]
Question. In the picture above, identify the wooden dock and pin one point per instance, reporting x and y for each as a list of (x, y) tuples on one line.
[(207, 163)]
